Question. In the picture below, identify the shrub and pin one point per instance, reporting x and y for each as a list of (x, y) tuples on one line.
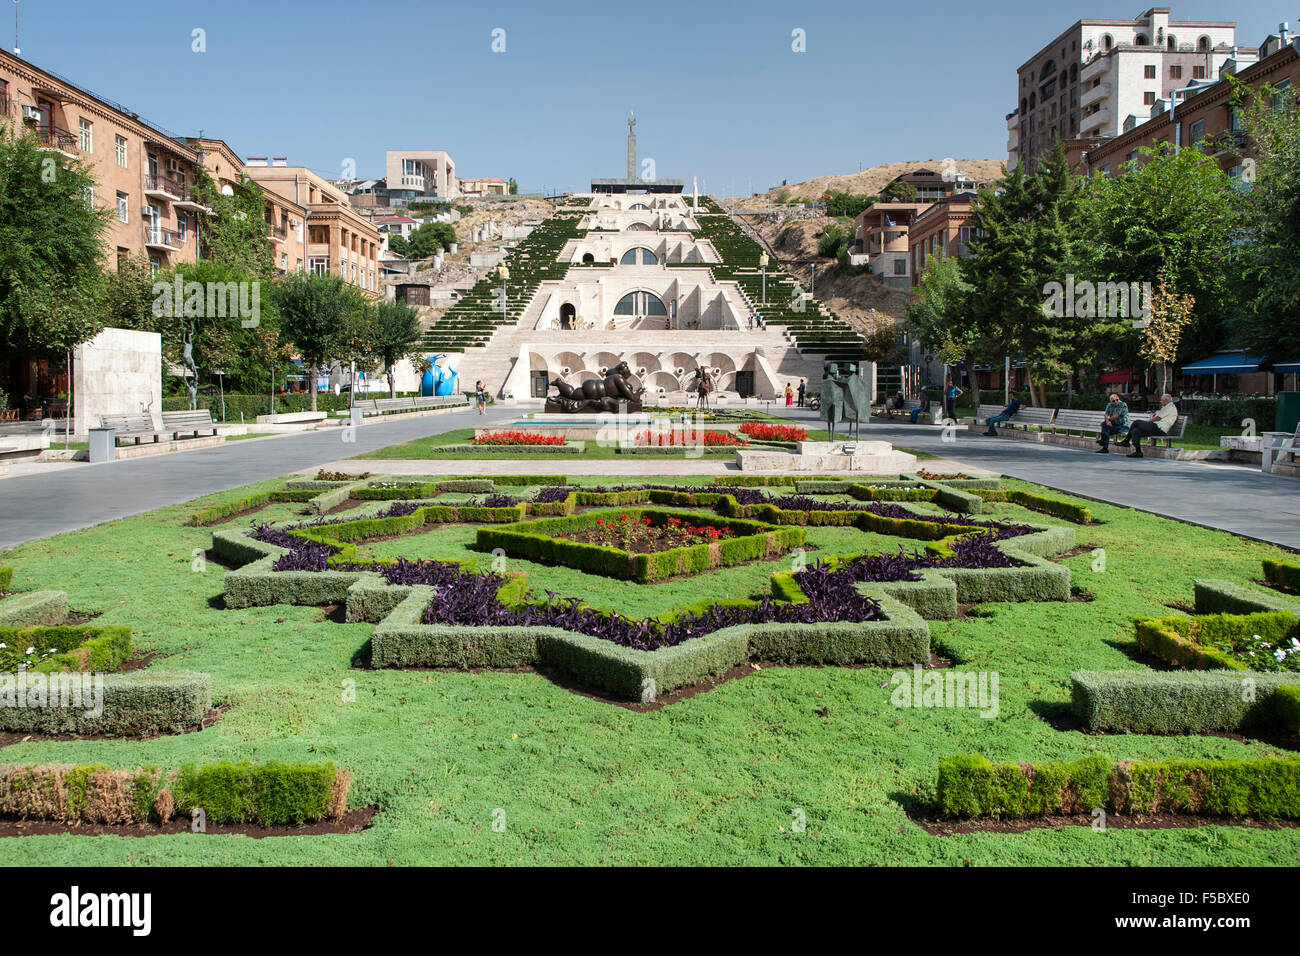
[(1287, 700), (1052, 506), (1279, 573), (1230, 598), (1181, 702), (134, 704), (1267, 788), (270, 794), (34, 607), (64, 647), (6, 576), (1262, 641)]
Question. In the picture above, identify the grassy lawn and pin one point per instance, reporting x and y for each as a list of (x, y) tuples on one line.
[(712, 779), (251, 435)]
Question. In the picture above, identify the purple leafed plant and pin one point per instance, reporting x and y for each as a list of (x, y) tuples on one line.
[(552, 493), (498, 501)]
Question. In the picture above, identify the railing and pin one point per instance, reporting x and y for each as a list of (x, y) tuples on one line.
[(55, 138), (158, 236), (276, 232), (164, 185)]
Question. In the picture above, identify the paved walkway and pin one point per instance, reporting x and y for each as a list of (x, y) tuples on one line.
[(1230, 497)]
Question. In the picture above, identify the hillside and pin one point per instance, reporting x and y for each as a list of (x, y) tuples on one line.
[(871, 181)]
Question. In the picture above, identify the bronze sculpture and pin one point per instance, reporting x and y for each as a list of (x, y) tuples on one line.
[(619, 387), (844, 398)]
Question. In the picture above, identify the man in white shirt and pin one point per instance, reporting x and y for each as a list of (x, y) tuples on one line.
[(1158, 425)]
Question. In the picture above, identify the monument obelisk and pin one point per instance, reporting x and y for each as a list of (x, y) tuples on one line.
[(631, 145)]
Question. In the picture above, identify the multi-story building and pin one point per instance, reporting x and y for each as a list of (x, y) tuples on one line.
[(420, 174), (1206, 116), (484, 187), (941, 229), (931, 186), (286, 220), (143, 174), (881, 233), (1097, 73), (339, 241)]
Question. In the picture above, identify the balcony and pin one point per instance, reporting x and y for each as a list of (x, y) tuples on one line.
[(163, 240), (160, 187), (59, 140), (1094, 68), (189, 200), (276, 233), (1097, 93), (1095, 123)]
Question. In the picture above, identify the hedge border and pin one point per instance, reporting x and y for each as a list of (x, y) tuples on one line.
[(970, 785), (1227, 597), (103, 648), (137, 703), (1181, 702), (6, 577), (1281, 573), (273, 793), (1041, 503), (30, 608)]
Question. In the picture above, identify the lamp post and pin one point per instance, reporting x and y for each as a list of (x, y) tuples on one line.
[(762, 262), (504, 273)]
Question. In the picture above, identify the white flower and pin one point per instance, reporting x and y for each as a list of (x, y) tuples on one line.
[(1280, 654), (4, 647), (30, 650)]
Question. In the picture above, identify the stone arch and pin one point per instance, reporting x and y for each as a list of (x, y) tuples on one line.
[(537, 362), (653, 381), (639, 255)]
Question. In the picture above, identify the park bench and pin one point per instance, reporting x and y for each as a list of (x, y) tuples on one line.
[(1039, 418), (1179, 426), (1290, 448), (392, 405), (1078, 420), (189, 423), (134, 427)]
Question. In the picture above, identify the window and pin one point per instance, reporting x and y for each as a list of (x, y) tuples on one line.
[(87, 135), (1281, 91), (88, 194), (123, 256), (123, 208), (1203, 44), (1149, 98), (1107, 42), (1198, 72), (284, 262), (1175, 73), (119, 147), (900, 267), (1141, 40), (1196, 132), (630, 258), (1234, 120), (640, 303), (319, 265), (182, 226), (1149, 72)]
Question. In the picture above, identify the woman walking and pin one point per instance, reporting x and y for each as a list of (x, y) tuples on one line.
[(789, 395), (480, 397)]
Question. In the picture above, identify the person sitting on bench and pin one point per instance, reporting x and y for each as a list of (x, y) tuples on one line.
[(1005, 415), (922, 409), (1114, 421), (896, 403), (1158, 426)]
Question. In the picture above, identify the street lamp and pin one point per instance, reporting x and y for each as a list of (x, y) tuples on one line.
[(762, 262), (504, 273)]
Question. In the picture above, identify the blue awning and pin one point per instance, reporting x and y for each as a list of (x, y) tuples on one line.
[(1283, 368), (1224, 363)]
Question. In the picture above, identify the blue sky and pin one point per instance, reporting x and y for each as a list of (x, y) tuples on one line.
[(716, 87)]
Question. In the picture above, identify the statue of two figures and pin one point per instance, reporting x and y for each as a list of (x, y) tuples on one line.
[(620, 386), (844, 398)]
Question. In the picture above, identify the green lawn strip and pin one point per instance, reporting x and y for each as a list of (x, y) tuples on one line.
[(249, 435), (710, 780)]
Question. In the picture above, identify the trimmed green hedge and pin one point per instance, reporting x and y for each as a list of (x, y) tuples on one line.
[(1275, 572), (269, 794), (134, 704), (34, 607), (1052, 506), (79, 647), (6, 577), (1189, 641), (1287, 701), (1230, 598), (970, 785), (1181, 702), (754, 481), (216, 513)]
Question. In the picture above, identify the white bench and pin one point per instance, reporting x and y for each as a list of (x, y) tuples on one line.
[(189, 423), (134, 427)]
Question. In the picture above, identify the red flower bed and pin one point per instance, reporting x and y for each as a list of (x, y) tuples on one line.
[(642, 536), (518, 438), (763, 431), (666, 438)]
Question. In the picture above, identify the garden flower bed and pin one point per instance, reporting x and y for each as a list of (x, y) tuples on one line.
[(763, 431), (531, 439)]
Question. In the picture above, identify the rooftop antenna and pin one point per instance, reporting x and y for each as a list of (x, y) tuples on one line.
[(17, 51)]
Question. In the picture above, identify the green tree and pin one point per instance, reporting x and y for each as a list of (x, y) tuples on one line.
[(941, 316), (398, 245), (840, 203), (1170, 216), (355, 340), (313, 309), (51, 241), (900, 190), (397, 331), (429, 239), (1026, 233), (234, 233), (1267, 261), (514, 187)]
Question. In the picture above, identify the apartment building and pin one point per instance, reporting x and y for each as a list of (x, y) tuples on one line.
[(420, 174), (1206, 116), (143, 174), (881, 232), (1087, 82), (484, 187), (286, 220), (339, 241), (941, 229)]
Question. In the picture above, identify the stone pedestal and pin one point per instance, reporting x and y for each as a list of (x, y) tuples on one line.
[(815, 457)]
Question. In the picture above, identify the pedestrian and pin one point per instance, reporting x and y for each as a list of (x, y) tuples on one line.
[(789, 395), (803, 388), (480, 397), (950, 396)]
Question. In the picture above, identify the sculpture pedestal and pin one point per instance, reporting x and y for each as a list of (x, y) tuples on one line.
[(823, 457)]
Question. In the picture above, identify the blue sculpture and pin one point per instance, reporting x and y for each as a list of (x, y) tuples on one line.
[(438, 380)]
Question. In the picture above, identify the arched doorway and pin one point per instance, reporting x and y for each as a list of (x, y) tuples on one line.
[(567, 313), (639, 254), (641, 304), (588, 257)]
